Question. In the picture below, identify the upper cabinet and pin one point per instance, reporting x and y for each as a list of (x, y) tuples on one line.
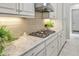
[(18, 9), (8, 8), (27, 9)]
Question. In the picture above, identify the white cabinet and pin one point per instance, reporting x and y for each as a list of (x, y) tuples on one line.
[(8, 8), (51, 46), (27, 9), (21, 9), (51, 39), (63, 37), (35, 51), (51, 49), (61, 40), (42, 53)]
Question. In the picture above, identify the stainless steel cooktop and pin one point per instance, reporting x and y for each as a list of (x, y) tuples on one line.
[(42, 33)]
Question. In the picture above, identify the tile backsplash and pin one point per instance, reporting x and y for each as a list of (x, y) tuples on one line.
[(34, 25), (18, 25)]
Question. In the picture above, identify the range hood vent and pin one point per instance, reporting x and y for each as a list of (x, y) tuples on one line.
[(41, 7)]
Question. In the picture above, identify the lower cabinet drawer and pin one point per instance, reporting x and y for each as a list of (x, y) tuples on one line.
[(35, 50), (60, 44), (41, 53), (55, 53), (61, 40), (51, 39), (50, 49)]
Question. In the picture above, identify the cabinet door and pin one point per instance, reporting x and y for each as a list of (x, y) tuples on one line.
[(42, 53), (9, 8), (51, 49), (55, 48), (61, 40), (27, 9), (51, 39), (35, 50)]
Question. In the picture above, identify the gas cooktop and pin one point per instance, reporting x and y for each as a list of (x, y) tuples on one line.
[(42, 33)]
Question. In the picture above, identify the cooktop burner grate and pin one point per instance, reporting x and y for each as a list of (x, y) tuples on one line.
[(42, 33)]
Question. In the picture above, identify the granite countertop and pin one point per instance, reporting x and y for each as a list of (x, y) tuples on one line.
[(23, 44)]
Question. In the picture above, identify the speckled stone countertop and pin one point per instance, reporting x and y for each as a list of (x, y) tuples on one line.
[(23, 44)]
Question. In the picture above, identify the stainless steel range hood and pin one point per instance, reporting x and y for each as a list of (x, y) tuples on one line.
[(43, 7)]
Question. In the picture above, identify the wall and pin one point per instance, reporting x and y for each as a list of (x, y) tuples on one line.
[(66, 18), (63, 18), (59, 15)]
